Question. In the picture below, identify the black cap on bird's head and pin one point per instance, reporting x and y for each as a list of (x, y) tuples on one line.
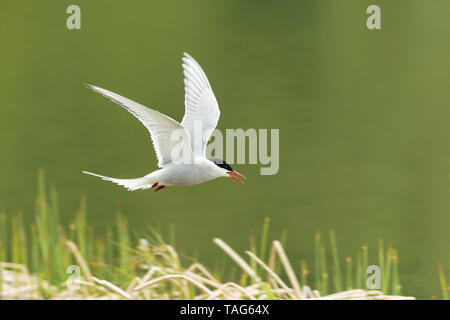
[(222, 164)]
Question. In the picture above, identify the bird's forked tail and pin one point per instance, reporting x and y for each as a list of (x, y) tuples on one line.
[(131, 184)]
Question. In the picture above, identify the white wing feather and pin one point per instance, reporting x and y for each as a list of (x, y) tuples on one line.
[(160, 126), (201, 105)]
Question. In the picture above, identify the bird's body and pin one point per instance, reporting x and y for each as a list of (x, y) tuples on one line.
[(180, 148), (189, 174)]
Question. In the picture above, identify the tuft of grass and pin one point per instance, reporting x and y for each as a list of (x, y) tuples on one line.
[(119, 264)]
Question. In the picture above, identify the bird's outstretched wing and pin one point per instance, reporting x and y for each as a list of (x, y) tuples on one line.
[(202, 111), (165, 132)]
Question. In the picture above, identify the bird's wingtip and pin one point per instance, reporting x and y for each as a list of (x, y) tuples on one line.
[(89, 86), (97, 89), (187, 55)]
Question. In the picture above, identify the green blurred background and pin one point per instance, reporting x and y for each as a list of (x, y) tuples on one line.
[(363, 118)]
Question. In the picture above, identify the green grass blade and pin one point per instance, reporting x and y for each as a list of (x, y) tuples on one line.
[(443, 282), (3, 237), (348, 273), (283, 239), (253, 264), (336, 264), (388, 269), (304, 272), (324, 272), (381, 263), (317, 263), (263, 243), (365, 264), (359, 271), (396, 287), (15, 241), (81, 228)]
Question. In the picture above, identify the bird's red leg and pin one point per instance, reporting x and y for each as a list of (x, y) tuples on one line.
[(159, 188), (154, 185)]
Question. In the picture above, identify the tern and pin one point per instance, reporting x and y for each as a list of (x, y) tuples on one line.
[(191, 166)]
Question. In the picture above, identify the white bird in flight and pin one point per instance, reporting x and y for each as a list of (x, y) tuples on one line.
[(189, 167)]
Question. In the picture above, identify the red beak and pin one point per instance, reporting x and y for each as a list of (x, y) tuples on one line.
[(235, 178)]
